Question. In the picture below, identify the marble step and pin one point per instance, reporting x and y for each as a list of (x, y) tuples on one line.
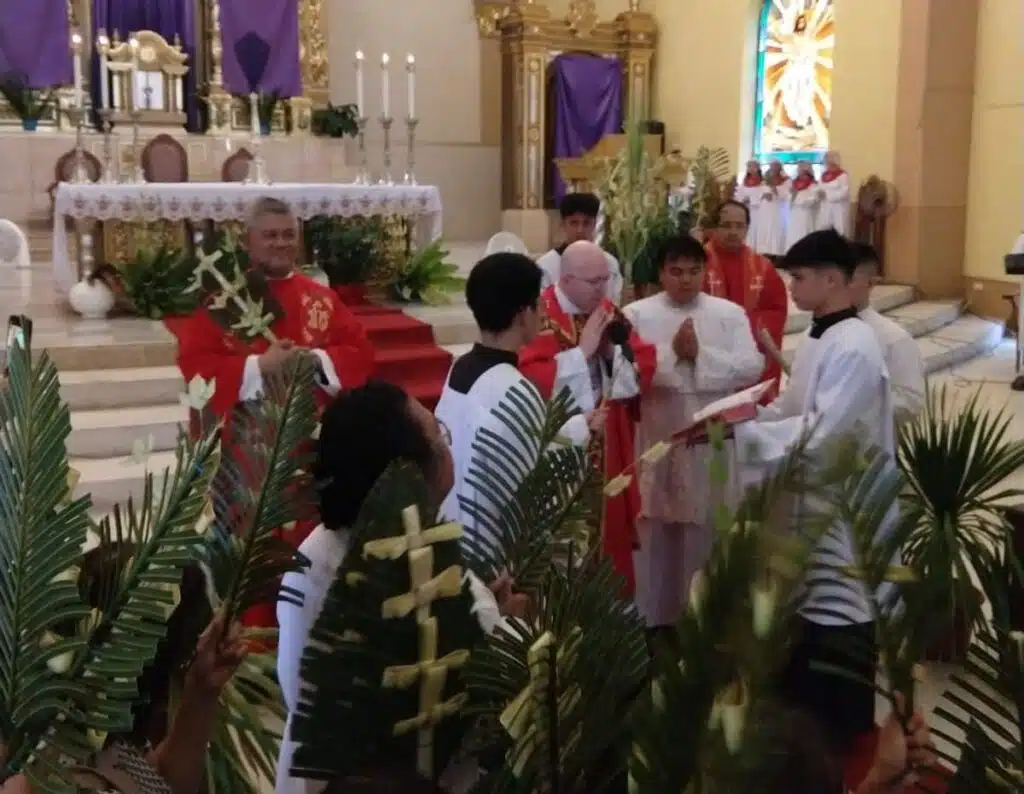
[(129, 387), (114, 432), (884, 298)]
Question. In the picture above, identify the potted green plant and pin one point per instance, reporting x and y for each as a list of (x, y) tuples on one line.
[(427, 276), (28, 103), (347, 250), (956, 456), (336, 121), (156, 284)]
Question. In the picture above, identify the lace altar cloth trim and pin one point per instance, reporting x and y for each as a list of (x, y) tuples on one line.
[(222, 201)]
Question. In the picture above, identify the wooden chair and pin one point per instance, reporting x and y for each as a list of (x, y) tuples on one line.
[(64, 171), (236, 167), (164, 160)]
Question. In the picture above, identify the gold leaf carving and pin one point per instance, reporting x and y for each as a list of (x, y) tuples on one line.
[(313, 45), (582, 17)]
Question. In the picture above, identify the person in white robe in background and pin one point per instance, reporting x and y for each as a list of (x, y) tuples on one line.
[(750, 191), (834, 212), (502, 291), (363, 431), (770, 239), (805, 201), (705, 351), (900, 350), (838, 389), (579, 212)]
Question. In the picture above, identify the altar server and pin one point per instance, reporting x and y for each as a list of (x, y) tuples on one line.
[(805, 202), (834, 212), (770, 239), (502, 291), (705, 351), (838, 388), (579, 213), (900, 350), (750, 191)]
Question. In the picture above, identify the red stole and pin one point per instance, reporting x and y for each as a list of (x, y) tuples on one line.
[(829, 176), (559, 332), (752, 180), (803, 181)]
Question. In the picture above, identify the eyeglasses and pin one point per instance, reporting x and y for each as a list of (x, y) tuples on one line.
[(599, 281)]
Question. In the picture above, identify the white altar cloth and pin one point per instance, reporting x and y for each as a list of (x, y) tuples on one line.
[(221, 201)]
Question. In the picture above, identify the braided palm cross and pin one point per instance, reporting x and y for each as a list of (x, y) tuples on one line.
[(426, 588)]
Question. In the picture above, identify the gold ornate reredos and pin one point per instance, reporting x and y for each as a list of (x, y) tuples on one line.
[(313, 48), (580, 28), (582, 17)]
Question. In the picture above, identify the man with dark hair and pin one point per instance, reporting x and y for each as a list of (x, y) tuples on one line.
[(502, 291), (579, 213), (901, 353), (838, 390), (705, 351), (737, 273)]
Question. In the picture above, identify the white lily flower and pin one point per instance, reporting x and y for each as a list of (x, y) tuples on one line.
[(199, 393), (142, 448)]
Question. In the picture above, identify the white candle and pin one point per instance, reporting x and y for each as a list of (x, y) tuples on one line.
[(254, 114), (410, 69), (134, 43), (76, 64), (385, 86), (104, 48), (360, 96)]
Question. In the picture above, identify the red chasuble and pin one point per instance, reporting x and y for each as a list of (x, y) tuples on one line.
[(748, 279), (314, 318), (560, 331)]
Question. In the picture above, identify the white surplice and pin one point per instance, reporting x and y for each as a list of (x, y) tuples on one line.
[(838, 388), (675, 536), (803, 213), (326, 549), (752, 196), (903, 360), (591, 380), (479, 383), (773, 218), (551, 268), (834, 212)]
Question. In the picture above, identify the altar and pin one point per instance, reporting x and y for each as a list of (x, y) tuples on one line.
[(90, 204)]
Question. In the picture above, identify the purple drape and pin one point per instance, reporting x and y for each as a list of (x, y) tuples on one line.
[(275, 21), (34, 41), (169, 18), (587, 99)]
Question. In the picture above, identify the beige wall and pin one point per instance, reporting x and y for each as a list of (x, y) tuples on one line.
[(995, 204), (456, 145), (705, 77)]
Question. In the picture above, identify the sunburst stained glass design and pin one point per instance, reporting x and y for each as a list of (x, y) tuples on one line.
[(794, 79)]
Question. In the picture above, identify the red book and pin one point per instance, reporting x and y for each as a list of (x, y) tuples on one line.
[(729, 411)]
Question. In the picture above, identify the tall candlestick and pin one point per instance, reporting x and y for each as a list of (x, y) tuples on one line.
[(385, 86), (254, 113), (410, 71), (103, 45), (76, 65), (360, 96), (134, 43)]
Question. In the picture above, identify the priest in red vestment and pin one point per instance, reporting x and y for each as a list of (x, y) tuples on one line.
[(738, 273), (587, 347), (314, 322)]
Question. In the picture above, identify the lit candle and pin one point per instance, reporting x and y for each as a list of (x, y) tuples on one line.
[(385, 86), (360, 96), (76, 65), (103, 45), (134, 43), (410, 70)]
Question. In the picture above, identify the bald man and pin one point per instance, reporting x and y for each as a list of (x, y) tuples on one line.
[(587, 348)]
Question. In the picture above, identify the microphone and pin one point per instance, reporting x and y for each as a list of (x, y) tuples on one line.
[(618, 334)]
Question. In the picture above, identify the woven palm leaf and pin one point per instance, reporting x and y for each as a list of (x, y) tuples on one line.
[(54, 690), (363, 707), (264, 489), (532, 484)]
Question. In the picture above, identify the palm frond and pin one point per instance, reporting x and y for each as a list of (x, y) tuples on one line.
[(529, 485), (382, 669), (264, 489), (53, 692), (551, 693)]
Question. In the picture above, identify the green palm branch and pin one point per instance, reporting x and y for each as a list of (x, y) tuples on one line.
[(956, 457), (733, 638), (531, 484), (551, 692), (54, 691), (383, 666), (262, 490)]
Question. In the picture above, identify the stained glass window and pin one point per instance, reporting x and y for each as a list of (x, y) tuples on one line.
[(794, 80)]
